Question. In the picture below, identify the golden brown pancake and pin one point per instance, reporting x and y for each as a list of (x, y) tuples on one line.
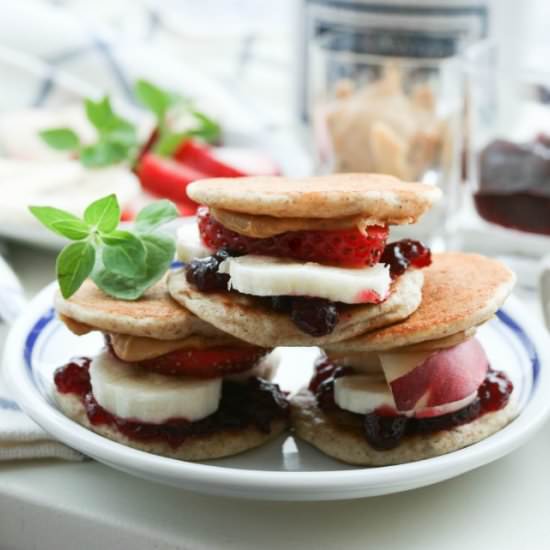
[(154, 315), (349, 444), (377, 196), (244, 317), (460, 291), (207, 447)]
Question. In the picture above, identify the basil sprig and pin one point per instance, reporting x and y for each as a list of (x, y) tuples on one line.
[(116, 137), (124, 264), (164, 104)]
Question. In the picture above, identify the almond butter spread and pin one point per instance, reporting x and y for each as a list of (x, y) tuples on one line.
[(138, 348), (262, 227)]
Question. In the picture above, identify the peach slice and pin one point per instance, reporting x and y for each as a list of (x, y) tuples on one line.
[(422, 380)]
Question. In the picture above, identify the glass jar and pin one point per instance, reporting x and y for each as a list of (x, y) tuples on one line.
[(397, 116), (508, 156)]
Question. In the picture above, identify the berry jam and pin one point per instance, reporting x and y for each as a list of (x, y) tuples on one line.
[(255, 402), (514, 187), (400, 255), (383, 429), (342, 247)]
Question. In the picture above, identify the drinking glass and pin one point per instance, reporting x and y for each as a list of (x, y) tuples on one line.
[(392, 115)]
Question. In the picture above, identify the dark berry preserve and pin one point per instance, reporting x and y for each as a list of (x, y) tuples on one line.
[(203, 273), (400, 255), (383, 429), (254, 403), (514, 186)]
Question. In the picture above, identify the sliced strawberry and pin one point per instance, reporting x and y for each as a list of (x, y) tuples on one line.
[(206, 363), (167, 178), (343, 247), (199, 157)]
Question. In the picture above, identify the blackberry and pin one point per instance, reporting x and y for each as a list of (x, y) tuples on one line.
[(314, 316), (282, 304), (204, 274), (384, 432)]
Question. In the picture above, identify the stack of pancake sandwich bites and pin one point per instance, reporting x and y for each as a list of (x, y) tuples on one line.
[(306, 262)]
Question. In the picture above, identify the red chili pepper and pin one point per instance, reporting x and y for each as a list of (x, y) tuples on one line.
[(200, 158)]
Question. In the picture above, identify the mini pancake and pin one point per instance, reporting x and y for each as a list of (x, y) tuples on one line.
[(154, 315), (349, 445), (243, 317), (460, 291), (207, 447), (377, 196)]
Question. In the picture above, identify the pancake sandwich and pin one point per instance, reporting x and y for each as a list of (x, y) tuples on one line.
[(167, 382), (296, 262), (419, 388)]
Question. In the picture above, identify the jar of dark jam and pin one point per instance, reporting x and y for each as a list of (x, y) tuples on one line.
[(509, 152)]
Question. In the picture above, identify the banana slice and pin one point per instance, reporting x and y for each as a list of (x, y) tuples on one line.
[(267, 276), (189, 245), (127, 391), (362, 394)]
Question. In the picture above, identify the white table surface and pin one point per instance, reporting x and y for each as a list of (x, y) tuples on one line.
[(51, 504)]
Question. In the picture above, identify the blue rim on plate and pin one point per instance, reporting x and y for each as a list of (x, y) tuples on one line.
[(513, 326)]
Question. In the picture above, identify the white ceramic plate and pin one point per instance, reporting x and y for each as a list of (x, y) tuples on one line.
[(284, 469)]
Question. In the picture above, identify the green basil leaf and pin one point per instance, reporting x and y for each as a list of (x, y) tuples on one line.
[(103, 154), (160, 253), (74, 264), (118, 286), (75, 230), (209, 130), (104, 213), (122, 132), (124, 254), (168, 143), (63, 139), (99, 113), (154, 215), (161, 250), (153, 97), (49, 216)]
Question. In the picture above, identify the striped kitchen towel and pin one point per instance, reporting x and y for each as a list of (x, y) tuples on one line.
[(20, 437)]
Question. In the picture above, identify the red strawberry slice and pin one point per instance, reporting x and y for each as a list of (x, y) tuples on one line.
[(167, 178), (199, 157), (207, 363), (343, 247)]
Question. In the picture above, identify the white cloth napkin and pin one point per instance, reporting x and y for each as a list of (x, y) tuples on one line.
[(20, 437)]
